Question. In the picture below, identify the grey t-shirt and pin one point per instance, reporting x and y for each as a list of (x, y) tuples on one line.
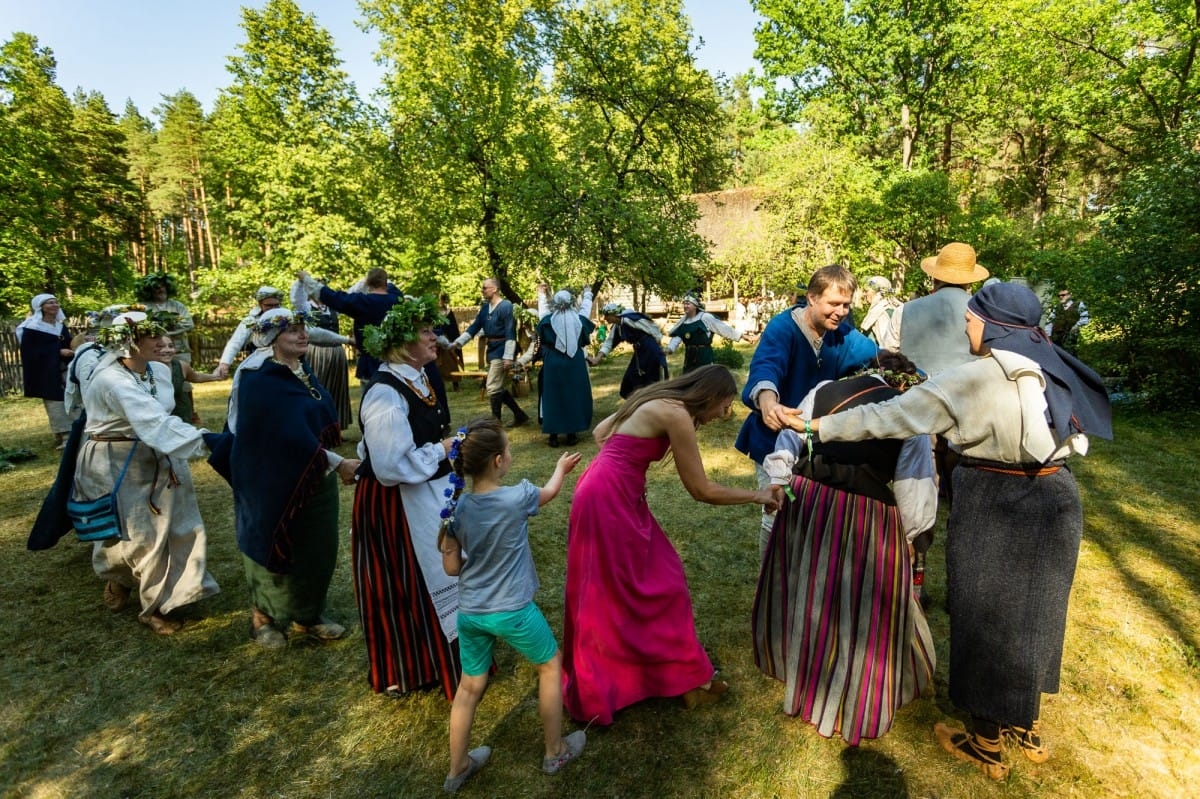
[(493, 528)]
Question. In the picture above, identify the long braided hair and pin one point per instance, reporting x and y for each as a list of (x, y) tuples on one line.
[(475, 446)]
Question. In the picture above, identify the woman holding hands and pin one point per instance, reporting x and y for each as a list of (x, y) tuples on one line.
[(628, 630), (407, 602), (1016, 414)]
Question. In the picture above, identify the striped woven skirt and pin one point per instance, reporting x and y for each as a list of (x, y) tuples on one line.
[(329, 365), (405, 643), (835, 616)]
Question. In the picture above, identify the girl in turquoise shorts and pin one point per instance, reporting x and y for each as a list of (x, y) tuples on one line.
[(496, 585)]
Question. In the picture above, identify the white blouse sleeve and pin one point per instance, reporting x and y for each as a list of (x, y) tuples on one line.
[(387, 435), (715, 325)]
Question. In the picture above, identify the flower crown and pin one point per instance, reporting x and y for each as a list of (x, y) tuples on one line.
[(145, 285), (121, 334), (898, 380), (403, 324), (281, 322)]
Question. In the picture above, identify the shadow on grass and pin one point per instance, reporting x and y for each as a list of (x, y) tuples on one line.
[(1161, 486), (869, 773)]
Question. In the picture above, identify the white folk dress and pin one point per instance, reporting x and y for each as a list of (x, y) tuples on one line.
[(165, 556)]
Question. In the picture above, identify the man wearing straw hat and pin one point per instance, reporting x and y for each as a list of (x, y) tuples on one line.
[(929, 329)]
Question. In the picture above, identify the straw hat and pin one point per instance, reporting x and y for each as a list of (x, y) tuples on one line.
[(955, 264)]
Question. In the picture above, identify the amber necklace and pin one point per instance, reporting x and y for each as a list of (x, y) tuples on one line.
[(430, 398), (302, 376), (145, 380)]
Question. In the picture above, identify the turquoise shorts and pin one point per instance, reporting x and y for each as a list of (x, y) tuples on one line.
[(525, 630)]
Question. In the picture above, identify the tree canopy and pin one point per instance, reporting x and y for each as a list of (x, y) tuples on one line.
[(564, 140)]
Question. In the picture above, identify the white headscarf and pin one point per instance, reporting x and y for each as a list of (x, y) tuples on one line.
[(35, 321), (565, 322)]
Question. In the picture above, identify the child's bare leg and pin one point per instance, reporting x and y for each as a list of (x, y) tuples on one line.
[(550, 703), (462, 715)]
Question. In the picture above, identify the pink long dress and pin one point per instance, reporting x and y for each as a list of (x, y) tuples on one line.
[(628, 631)]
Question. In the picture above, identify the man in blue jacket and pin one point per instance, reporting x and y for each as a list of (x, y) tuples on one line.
[(799, 348)]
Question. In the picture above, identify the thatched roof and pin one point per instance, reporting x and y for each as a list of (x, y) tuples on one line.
[(730, 217)]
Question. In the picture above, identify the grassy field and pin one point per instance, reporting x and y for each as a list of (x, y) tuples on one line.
[(94, 705)]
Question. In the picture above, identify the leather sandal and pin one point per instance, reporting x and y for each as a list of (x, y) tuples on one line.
[(1029, 741), (705, 696), (116, 596), (970, 748)]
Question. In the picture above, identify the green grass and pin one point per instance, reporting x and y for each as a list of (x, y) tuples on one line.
[(94, 705)]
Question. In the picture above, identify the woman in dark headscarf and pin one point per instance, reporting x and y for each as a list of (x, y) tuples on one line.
[(1016, 415), (285, 493)]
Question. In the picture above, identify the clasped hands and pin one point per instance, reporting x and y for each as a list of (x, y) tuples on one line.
[(776, 415)]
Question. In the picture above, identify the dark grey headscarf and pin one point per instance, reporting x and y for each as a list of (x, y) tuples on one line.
[(1075, 395)]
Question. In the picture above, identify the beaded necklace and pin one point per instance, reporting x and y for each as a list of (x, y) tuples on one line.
[(428, 398), (145, 380), (302, 376)]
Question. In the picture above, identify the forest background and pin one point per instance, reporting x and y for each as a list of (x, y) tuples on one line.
[(542, 140)]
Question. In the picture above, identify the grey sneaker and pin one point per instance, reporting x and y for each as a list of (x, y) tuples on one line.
[(574, 743), (476, 759)]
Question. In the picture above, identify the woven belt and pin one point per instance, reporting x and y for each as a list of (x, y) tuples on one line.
[(111, 438), (1020, 469)]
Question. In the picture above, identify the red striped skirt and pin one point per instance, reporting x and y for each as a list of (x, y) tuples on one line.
[(405, 643)]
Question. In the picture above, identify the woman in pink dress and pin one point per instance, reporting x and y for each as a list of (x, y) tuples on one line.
[(628, 632)]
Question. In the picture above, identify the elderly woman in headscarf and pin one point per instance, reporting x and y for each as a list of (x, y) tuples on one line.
[(129, 426), (45, 344), (1016, 414), (564, 387), (407, 602), (694, 332), (284, 474), (881, 304), (266, 298)]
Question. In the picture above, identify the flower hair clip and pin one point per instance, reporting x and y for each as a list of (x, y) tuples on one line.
[(457, 482), (456, 444)]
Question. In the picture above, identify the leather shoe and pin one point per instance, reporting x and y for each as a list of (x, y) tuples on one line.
[(324, 630), (705, 696), (116, 596), (161, 624)]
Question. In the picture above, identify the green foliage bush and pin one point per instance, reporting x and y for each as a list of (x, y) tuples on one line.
[(1141, 280), (726, 355)]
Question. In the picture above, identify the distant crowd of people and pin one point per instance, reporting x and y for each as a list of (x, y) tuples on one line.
[(854, 432)]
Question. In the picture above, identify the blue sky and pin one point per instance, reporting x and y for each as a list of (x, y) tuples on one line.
[(143, 49)]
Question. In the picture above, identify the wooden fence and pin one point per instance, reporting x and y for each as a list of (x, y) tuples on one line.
[(206, 349)]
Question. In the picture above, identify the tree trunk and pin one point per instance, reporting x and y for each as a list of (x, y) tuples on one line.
[(907, 145)]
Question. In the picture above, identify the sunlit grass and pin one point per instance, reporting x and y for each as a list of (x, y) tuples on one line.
[(93, 705)]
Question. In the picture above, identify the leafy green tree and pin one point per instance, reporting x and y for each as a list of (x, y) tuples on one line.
[(103, 203), (178, 197), (37, 172), (145, 241), (1141, 279), (885, 71), (469, 124), (644, 127), (288, 143)]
